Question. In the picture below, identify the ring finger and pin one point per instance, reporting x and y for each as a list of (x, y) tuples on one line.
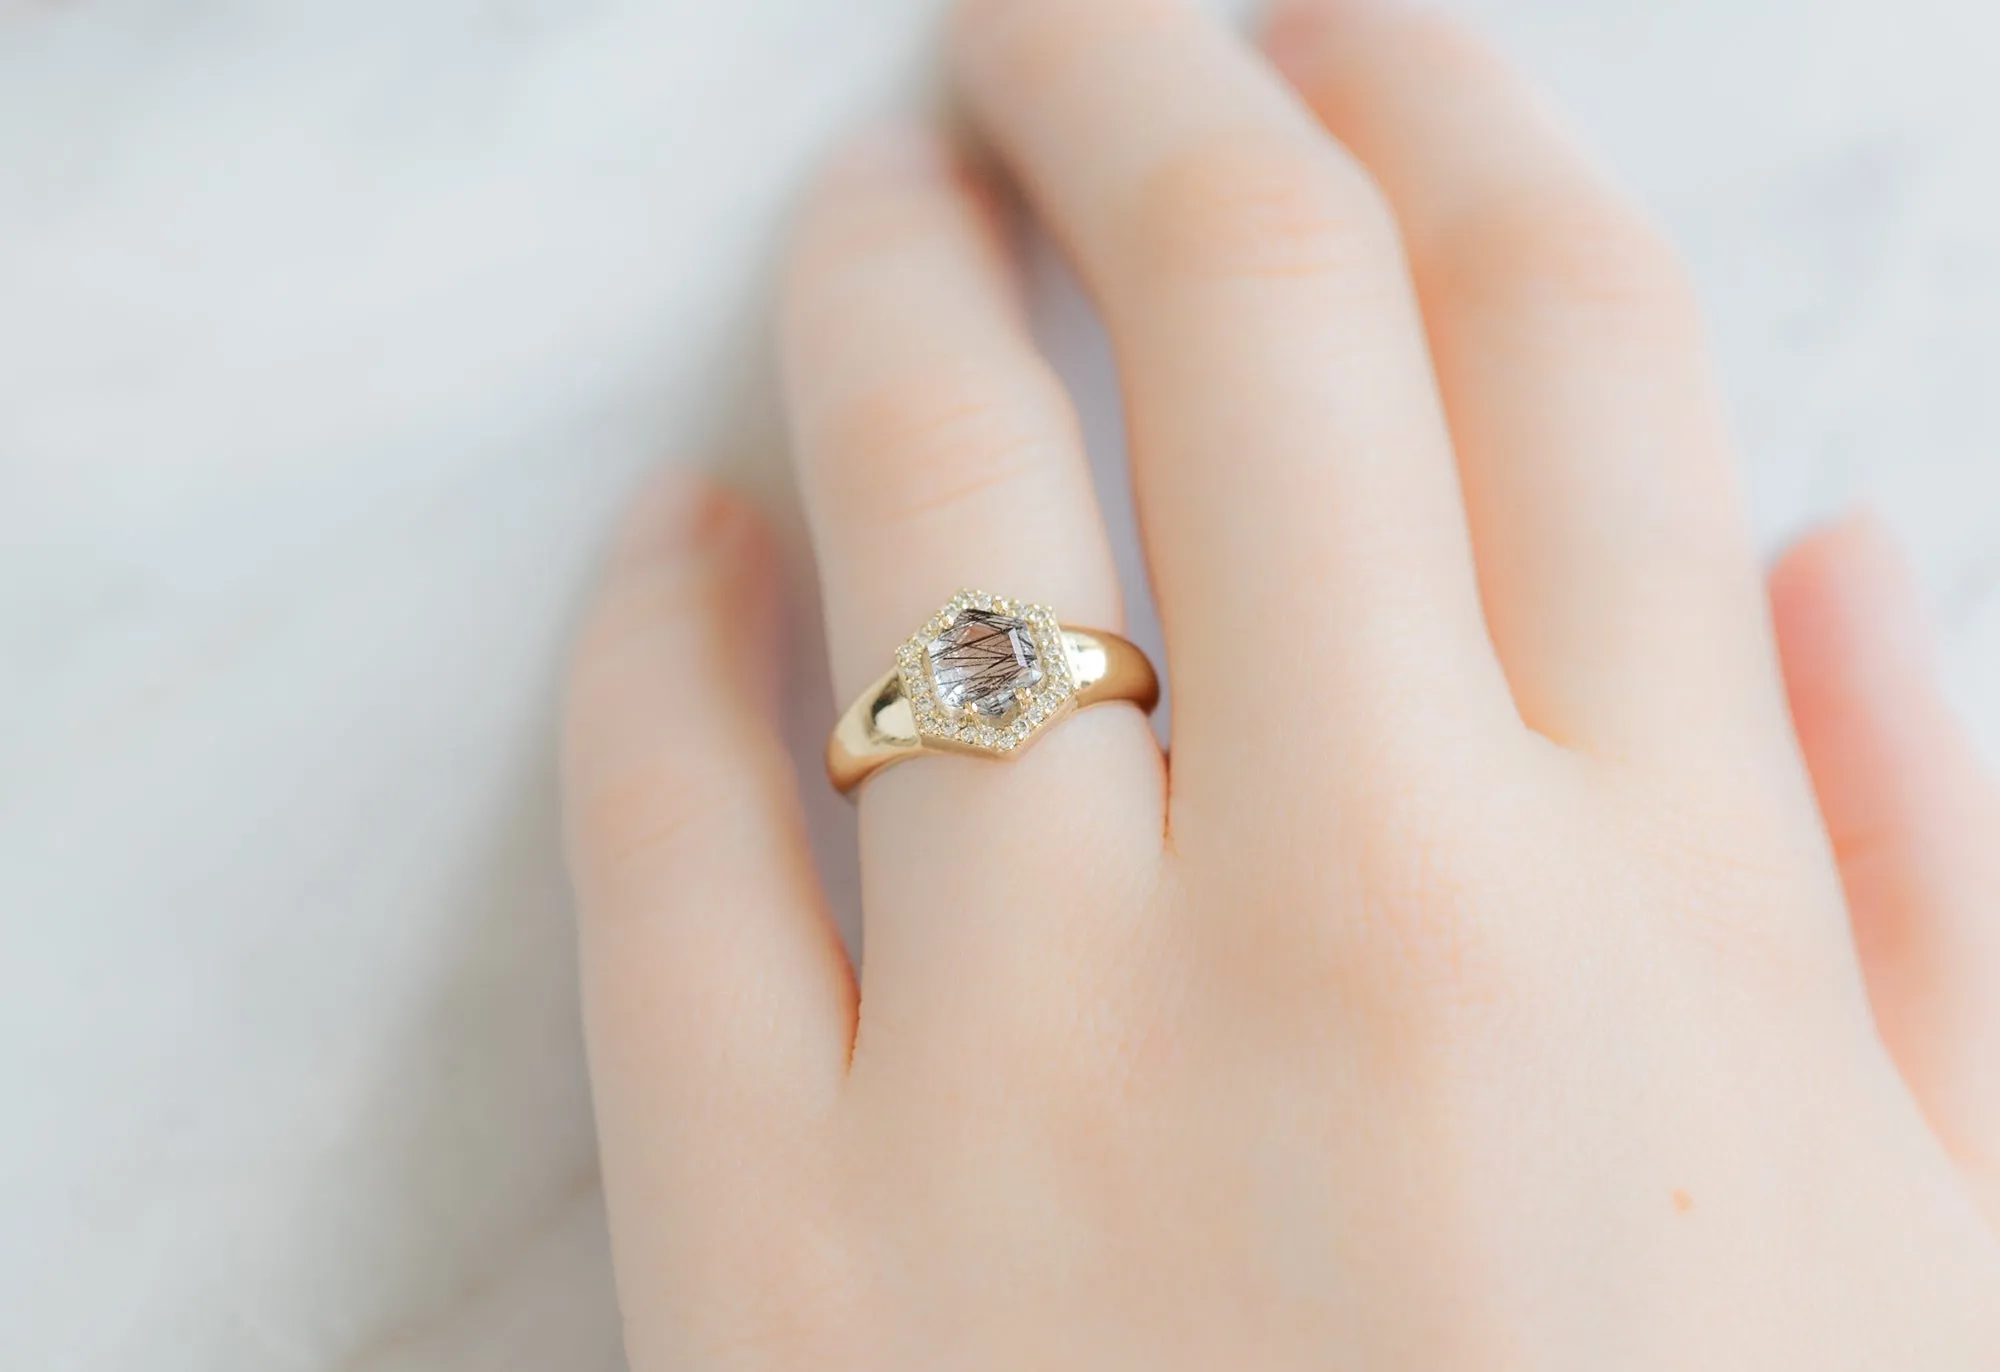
[(936, 450)]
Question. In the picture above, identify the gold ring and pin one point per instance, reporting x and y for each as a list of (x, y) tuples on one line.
[(986, 676)]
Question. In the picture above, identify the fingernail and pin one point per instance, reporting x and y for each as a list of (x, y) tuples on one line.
[(893, 151)]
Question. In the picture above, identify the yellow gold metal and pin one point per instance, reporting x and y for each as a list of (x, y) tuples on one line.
[(1084, 667)]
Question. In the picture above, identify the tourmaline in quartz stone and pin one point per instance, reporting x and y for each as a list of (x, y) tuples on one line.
[(981, 660)]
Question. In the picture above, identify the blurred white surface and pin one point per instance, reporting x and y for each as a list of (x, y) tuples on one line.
[(330, 336)]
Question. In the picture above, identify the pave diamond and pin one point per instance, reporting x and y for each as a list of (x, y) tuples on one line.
[(981, 659)]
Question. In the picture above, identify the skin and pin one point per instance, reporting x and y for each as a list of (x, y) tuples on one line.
[(1549, 948)]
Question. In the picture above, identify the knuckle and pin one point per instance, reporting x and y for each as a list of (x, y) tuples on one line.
[(1441, 931), (1433, 927), (1569, 254), (1261, 205), (1418, 928), (1726, 881), (699, 814), (773, 1291), (925, 443), (1748, 920), (644, 811)]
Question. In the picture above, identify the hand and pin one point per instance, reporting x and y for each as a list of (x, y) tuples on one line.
[(1477, 990)]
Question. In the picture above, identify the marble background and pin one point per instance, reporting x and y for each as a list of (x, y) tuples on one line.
[(330, 336)]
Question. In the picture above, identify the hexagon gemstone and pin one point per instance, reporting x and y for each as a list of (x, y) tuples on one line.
[(981, 659)]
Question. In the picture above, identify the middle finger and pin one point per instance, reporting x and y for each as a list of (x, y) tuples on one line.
[(1291, 461)]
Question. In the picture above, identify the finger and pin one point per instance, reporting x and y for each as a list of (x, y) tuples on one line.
[(936, 450), (935, 447), (1619, 580), (1914, 820), (1291, 463), (718, 1002)]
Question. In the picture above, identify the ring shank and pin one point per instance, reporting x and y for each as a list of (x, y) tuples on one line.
[(880, 730)]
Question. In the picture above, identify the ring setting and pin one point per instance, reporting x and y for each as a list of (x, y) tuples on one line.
[(986, 675)]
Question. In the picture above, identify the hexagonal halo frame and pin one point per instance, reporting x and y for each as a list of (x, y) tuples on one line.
[(962, 731)]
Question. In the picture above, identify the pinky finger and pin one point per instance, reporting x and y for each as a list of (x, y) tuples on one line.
[(1915, 822), (718, 1002)]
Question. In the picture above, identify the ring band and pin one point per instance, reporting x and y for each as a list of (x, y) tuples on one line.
[(986, 676)]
